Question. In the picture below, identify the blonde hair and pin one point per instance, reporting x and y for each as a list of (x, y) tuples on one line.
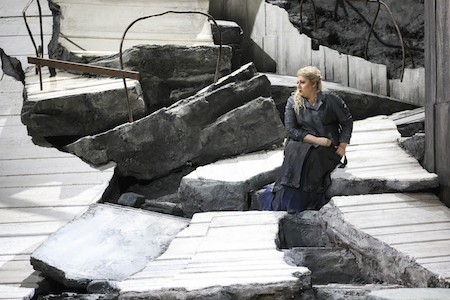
[(313, 75)]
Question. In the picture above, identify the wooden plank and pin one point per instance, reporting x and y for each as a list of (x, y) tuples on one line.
[(54, 180), (39, 215), (57, 64), (52, 195), (23, 244), (29, 229)]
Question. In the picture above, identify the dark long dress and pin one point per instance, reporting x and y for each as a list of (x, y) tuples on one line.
[(305, 174)]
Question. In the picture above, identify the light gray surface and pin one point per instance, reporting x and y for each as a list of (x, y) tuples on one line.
[(410, 294), (107, 242), (401, 238), (222, 249)]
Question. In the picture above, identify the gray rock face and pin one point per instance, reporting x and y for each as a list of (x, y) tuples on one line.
[(106, 243), (327, 264), (89, 106), (230, 120), (415, 146), (168, 70), (385, 233), (226, 184), (361, 104)]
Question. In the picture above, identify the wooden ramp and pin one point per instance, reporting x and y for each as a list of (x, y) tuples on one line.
[(41, 189)]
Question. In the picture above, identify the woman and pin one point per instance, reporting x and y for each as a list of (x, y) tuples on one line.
[(319, 127)]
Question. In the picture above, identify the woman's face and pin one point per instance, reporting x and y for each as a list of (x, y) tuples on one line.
[(306, 88)]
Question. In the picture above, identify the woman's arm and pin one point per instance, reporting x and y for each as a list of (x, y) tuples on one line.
[(322, 141)]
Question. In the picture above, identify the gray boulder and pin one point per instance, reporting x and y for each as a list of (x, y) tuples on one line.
[(233, 119), (89, 106), (226, 184), (169, 73), (107, 243)]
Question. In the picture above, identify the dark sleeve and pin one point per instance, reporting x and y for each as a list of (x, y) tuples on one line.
[(344, 119), (293, 129)]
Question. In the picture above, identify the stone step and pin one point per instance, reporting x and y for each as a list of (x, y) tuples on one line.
[(233, 252), (403, 237), (410, 294), (376, 164)]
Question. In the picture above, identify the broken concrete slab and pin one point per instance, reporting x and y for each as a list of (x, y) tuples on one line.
[(72, 105), (107, 242), (361, 104), (225, 185), (414, 145), (197, 130), (409, 122), (225, 254), (386, 234), (376, 163), (410, 294)]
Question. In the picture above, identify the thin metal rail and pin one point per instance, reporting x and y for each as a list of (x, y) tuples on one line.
[(39, 50), (85, 68), (216, 77)]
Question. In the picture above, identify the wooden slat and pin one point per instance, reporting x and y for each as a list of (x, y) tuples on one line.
[(57, 64)]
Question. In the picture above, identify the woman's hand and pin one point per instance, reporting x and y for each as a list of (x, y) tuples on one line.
[(340, 150), (322, 141)]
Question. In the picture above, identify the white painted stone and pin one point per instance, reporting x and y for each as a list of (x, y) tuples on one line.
[(112, 249), (410, 294), (229, 252), (394, 227)]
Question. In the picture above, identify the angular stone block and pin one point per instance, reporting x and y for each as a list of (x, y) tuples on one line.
[(78, 106), (197, 130), (226, 184), (106, 243)]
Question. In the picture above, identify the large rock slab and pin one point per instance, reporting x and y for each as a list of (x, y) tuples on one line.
[(169, 73), (106, 243), (377, 164), (226, 184), (362, 104), (232, 119), (221, 255), (397, 238), (73, 105)]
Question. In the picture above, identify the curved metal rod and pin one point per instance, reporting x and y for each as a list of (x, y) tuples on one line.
[(371, 29), (399, 36), (39, 50), (301, 15), (216, 77)]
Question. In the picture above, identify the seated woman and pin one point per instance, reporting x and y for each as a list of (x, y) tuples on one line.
[(319, 126)]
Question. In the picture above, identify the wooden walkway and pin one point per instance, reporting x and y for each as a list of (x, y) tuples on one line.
[(41, 189)]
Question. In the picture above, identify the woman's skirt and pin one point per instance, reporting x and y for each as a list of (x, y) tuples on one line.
[(314, 180)]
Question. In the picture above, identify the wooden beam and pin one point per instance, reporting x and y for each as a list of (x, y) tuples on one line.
[(59, 64)]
